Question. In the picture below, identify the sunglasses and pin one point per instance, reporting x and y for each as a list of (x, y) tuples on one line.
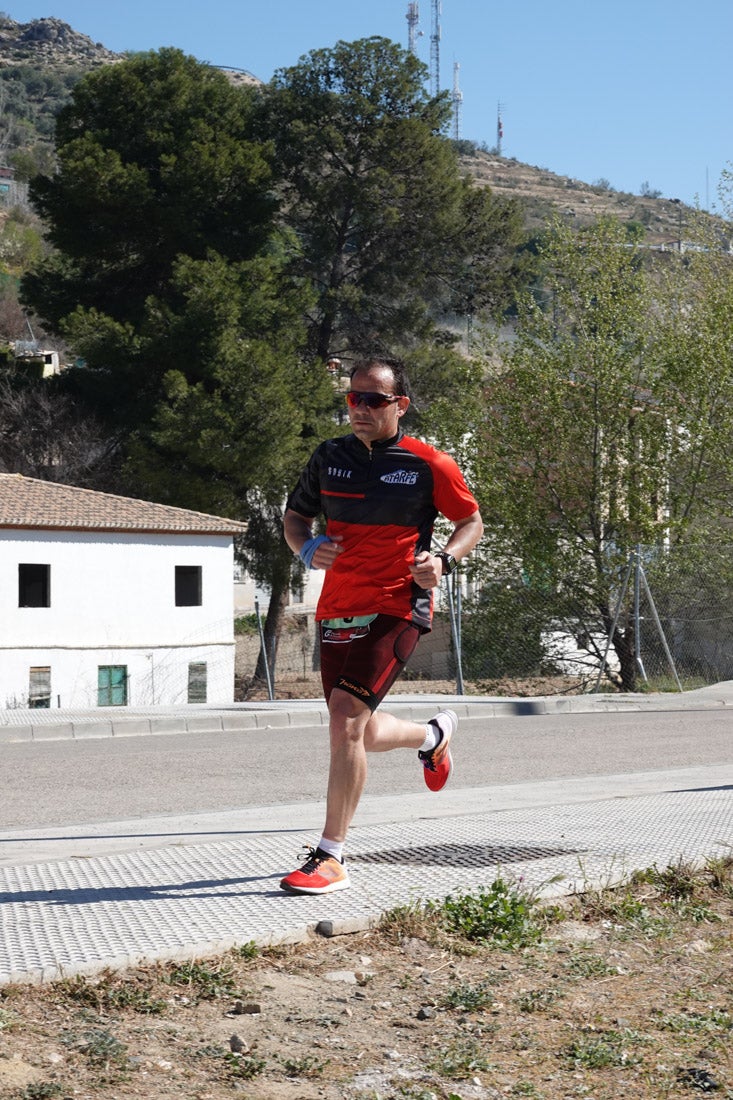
[(354, 398)]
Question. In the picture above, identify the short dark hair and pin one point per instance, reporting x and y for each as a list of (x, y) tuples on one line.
[(399, 374)]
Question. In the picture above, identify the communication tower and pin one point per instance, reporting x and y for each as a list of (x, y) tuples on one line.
[(435, 49), (457, 98), (413, 21), (499, 129)]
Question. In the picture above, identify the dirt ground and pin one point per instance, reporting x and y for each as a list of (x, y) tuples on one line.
[(627, 994), (303, 687)]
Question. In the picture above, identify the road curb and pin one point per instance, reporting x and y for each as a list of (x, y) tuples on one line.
[(308, 714)]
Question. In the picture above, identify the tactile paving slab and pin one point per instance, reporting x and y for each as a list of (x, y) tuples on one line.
[(82, 915), (460, 855)]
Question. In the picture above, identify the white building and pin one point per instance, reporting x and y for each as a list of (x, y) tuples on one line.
[(46, 361), (106, 600), (302, 598)]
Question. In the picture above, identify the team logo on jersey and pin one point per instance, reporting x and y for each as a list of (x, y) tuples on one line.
[(400, 477)]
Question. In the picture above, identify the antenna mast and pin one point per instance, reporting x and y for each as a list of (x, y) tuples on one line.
[(413, 20), (435, 49), (457, 98), (499, 129)]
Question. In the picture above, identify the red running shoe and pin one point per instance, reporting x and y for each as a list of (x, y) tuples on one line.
[(438, 763), (320, 874)]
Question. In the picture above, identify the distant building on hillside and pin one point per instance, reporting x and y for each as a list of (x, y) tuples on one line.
[(13, 192), (41, 361)]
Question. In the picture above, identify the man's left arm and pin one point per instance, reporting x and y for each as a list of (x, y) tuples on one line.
[(465, 535), (427, 571)]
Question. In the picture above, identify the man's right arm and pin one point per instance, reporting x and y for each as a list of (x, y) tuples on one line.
[(298, 531)]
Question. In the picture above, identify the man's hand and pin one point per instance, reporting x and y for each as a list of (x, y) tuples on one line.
[(327, 552), (427, 570), (298, 530)]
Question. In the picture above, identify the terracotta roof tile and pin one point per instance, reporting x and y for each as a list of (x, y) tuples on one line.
[(28, 502)]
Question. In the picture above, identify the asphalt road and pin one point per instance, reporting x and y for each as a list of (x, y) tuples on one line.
[(54, 783)]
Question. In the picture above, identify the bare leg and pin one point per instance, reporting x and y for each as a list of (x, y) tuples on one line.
[(354, 731), (384, 731)]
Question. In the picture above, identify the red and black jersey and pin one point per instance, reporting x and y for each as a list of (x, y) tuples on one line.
[(383, 501)]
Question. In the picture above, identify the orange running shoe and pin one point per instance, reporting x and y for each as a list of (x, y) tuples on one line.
[(438, 762), (320, 874)]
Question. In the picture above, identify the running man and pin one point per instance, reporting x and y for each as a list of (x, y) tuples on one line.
[(380, 491)]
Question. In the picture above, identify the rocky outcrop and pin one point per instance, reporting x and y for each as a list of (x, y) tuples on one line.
[(49, 40)]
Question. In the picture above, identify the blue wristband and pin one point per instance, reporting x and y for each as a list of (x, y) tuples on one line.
[(309, 548)]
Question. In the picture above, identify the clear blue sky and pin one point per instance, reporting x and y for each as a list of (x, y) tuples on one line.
[(631, 91)]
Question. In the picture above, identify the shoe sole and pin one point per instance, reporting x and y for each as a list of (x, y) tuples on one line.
[(437, 790), (342, 884), (454, 726)]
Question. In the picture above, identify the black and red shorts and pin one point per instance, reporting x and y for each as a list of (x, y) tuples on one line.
[(364, 655)]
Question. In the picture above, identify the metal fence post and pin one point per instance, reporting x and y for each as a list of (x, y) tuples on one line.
[(265, 658), (454, 611)]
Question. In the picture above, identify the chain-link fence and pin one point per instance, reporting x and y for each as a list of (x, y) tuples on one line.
[(672, 626), (672, 629)]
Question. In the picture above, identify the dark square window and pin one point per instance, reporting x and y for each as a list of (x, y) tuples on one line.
[(188, 586), (34, 585)]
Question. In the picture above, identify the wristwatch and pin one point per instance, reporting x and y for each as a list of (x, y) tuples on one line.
[(449, 562)]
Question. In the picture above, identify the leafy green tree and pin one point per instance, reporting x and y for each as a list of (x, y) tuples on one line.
[(21, 243), (696, 353), (239, 408), (167, 280), (390, 234), (155, 160), (238, 399), (609, 424)]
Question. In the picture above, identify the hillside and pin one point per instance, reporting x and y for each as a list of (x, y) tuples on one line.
[(544, 193), (40, 62)]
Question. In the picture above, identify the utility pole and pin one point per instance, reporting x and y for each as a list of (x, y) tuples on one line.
[(457, 97), (435, 49), (678, 204)]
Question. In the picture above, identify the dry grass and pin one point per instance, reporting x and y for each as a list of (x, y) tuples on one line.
[(626, 993)]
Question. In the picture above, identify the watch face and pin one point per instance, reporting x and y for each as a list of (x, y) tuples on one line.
[(449, 563)]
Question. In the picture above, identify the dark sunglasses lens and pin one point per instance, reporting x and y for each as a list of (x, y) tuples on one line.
[(371, 400)]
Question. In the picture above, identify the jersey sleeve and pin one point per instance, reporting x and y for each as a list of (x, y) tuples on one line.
[(305, 498), (451, 494)]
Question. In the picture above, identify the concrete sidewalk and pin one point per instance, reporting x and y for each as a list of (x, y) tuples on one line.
[(128, 891)]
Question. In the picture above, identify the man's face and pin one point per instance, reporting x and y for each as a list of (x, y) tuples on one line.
[(372, 425)]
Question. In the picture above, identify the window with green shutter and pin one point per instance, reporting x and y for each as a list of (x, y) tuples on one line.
[(112, 686)]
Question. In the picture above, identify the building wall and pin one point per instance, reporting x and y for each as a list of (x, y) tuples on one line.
[(155, 675), (112, 602), (303, 601)]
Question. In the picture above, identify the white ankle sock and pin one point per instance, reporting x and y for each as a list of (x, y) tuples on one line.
[(432, 737), (332, 847)]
